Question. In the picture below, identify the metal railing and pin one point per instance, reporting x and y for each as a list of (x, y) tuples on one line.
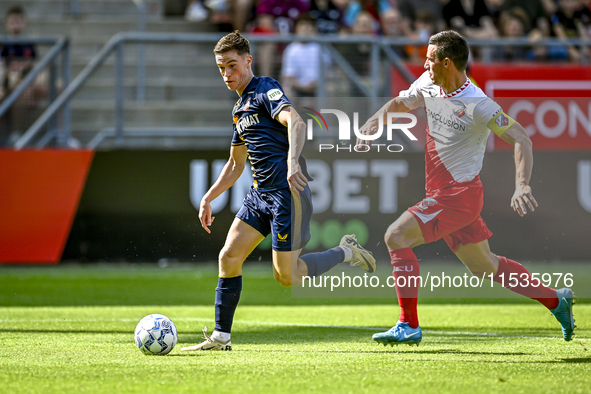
[(116, 45), (382, 57)]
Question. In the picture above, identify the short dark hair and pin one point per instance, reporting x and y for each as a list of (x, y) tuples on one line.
[(233, 41), (15, 10), (452, 45)]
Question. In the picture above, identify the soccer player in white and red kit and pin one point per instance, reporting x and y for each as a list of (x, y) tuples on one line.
[(460, 118)]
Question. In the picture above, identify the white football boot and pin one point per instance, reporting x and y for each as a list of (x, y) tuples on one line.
[(360, 256), (209, 344)]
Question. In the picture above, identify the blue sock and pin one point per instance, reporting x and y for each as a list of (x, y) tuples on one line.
[(227, 295), (319, 263)]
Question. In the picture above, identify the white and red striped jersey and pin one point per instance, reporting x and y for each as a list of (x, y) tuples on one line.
[(456, 132)]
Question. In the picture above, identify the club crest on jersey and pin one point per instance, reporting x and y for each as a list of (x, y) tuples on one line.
[(274, 94), (246, 106), (247, 121), (427, 202), (502, 120), (460, 110)]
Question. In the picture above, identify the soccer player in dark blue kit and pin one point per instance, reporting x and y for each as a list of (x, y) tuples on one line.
[(270, 134)]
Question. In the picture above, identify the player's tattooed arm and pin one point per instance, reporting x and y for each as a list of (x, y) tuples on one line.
[(524, 161), (296, 132), (229, 175), (372, 124)]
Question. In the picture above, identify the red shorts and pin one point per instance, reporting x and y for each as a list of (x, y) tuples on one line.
[(454, 215)]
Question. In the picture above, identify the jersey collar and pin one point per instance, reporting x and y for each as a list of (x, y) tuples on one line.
[(460, 90), (251, 85)]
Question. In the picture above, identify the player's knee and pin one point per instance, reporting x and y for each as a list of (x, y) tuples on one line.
[(283, 280), (228, 260), (394, 238)]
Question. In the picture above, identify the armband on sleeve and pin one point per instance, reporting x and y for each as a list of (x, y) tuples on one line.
[(500, 123)]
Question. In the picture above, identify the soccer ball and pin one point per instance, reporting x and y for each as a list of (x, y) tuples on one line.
[(156, 334)]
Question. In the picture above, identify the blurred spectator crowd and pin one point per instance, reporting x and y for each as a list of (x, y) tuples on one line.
[(415, 19)]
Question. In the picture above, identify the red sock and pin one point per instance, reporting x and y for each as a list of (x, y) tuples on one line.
[(406, 265), (545, 295)]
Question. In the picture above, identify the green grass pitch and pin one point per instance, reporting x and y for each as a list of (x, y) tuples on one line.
[(69, 329)]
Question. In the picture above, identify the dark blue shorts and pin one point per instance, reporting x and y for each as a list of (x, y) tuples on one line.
[(279, 212)]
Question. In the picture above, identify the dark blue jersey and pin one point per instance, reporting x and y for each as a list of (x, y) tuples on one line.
[(265, 137)]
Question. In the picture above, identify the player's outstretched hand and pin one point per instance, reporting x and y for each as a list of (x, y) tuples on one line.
[(523, 199), (296, 179), (369, 128), (205, 215)]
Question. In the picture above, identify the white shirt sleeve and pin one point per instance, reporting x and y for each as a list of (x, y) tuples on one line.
[(413, 96), (484, 110)]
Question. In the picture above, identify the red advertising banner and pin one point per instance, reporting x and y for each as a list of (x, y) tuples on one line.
[(39, 194), (532, 80), (553, 123)]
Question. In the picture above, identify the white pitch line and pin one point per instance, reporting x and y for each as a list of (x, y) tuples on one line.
[(250, 322)]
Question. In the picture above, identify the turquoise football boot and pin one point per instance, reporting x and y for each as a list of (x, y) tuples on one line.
[(564, 312), (400, 333)]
